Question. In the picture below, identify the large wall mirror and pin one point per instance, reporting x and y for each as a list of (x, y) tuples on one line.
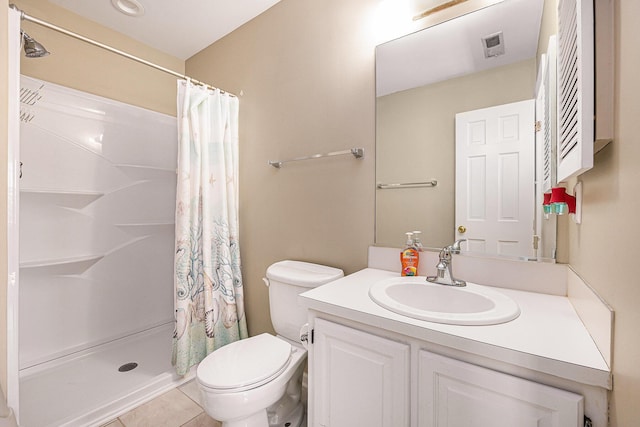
[(455, 133)]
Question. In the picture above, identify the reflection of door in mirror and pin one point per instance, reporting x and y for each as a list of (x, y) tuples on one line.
[(415, 142), (495, 179)]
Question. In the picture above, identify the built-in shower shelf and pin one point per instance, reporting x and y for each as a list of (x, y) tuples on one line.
[(145, 172), (147, 228), (70, 199), (62, 266)]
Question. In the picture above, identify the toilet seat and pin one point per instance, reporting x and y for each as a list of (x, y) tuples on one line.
[(245, 364)]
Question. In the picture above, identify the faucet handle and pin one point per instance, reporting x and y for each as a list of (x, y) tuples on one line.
[(455, 248)]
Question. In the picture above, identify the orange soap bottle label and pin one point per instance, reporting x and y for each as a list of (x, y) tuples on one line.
[(409, 259)]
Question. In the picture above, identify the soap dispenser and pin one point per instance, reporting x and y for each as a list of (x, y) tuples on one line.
[(409, 257)]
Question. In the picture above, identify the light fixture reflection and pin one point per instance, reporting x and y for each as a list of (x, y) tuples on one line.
[(393, 19)]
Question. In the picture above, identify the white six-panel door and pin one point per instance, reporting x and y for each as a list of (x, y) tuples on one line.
[(495, 149)]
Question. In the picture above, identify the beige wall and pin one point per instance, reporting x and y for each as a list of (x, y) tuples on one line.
[(415, 141), (604, 248), (306, 69), (78, 65)]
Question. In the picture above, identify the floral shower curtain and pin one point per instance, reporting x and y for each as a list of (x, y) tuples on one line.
[(209, 308)]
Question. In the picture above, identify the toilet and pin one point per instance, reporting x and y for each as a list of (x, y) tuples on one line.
[(256, 382)]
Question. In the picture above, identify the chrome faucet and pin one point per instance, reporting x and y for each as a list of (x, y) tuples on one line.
[(444, 276)]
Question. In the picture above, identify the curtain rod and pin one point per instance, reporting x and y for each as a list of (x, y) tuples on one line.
[(26, 17)]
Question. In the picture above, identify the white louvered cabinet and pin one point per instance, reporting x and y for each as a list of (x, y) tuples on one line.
[(546, 120), (585, 104)]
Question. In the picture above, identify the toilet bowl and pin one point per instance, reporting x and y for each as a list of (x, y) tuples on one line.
[(256, 382)]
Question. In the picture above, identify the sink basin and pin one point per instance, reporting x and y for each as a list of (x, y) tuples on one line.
[(470, 305)]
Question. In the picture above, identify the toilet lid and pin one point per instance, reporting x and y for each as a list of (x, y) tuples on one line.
[(245, 364)]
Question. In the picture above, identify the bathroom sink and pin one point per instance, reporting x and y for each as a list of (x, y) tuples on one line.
[(470, 305)]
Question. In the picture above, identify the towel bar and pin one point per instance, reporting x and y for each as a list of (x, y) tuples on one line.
[(431, 183), (358, 153)]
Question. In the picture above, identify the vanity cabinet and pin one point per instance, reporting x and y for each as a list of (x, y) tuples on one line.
[(456, 394), (359, 378)]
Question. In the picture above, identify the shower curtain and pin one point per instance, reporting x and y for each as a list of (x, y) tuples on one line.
[(209, 308)]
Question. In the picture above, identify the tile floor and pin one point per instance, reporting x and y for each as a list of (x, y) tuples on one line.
[(176, 408)]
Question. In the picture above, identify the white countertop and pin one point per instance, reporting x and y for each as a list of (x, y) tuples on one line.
[(547, 337)]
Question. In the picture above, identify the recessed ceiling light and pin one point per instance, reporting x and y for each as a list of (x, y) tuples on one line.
[(129, 7)]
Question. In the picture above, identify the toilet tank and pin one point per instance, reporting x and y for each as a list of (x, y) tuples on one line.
[(288, 279)]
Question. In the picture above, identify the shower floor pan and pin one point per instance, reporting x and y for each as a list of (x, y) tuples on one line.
[(95, 386)]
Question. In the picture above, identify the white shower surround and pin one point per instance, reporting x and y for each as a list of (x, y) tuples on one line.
[(97, 205)]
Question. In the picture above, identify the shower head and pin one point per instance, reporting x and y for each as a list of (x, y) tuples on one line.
[(33, 49)]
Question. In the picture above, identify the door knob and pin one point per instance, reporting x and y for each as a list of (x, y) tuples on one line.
[(462, 229)]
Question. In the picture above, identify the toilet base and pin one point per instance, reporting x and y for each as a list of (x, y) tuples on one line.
[(296, 418), (257, 419), (289, 410), (292, 419)]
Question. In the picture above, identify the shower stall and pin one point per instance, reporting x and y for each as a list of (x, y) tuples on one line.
[(97, 205), (90, 235)]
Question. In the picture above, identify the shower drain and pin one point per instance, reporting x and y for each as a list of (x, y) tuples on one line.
[(127, 367)]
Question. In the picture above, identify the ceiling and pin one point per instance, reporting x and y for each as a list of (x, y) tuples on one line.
[(454, 48), (180, 28)]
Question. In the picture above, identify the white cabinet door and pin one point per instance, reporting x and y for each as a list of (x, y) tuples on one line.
[(456, 394), (359, 379)]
